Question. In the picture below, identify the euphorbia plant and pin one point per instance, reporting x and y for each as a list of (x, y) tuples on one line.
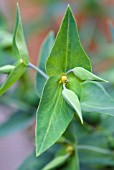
[(67, 89)]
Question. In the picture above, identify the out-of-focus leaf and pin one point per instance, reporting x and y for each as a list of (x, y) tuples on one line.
[(72, 99), (44, 52), (33, 163), (93, 157), (2, 23), (84, 74), (95, 99), (16, 122), (53, 115), (5, 39), (19, 44), (56, 162), (67, 51)]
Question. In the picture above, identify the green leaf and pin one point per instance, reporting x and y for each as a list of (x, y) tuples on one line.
[(74, 84), (95, 99), (53, 115), (67, 52), (19, 45), (72, 99), (44, 52), (15, 74), (56, 162), (16, 122), (6, 69), (84, 74)]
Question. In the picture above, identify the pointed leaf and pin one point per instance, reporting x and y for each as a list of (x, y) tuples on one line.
[(56, 162), (67, 51), (19, 44), (53, 115), (44, 52), (95, 99), (72, 99), (84, 74), (13, 77), (6, 69)]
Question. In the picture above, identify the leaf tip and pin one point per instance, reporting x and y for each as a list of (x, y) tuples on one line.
[(17, 4), (69, 8)]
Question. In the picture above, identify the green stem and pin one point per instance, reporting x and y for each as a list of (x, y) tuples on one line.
[(38, 70)]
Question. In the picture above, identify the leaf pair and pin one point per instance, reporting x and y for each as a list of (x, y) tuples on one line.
[(19, 46)]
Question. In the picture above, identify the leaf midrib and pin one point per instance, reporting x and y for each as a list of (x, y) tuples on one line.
[(67, 44)]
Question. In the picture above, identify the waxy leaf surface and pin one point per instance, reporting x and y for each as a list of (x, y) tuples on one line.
[(84, 74), (44, 52), (95, 99), (53, 115), (67, 52), (72, 99)]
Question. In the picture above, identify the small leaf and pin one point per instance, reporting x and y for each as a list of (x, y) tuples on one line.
[(67, 51), (56, 162), (84, 74), (44, 52), (53, 115), (95, 99), (19, 45), (72, 99), (6, 69), (15, 74)]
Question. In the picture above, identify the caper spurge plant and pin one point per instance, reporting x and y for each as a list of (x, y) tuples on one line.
[(68, 92)]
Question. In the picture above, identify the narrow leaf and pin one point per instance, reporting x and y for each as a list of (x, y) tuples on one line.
[(13, 77), (44, 52), (67, 51), (19, 44), (84, 74), (6, 69), (72, 99), (53, 115), (95, 99), (56, 162)]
